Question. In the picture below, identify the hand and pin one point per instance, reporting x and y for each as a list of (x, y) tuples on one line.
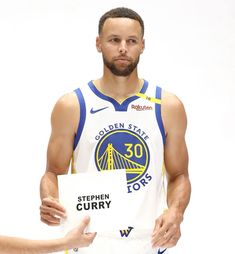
[(76, 238), (167, 229), (51, 211)]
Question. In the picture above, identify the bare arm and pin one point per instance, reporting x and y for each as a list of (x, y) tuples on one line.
[(74, 239), (167, 229), (64, 122), (176, 159)]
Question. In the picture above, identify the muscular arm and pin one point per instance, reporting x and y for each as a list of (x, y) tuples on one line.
[(64, 122), (167, 228), (176, 156)]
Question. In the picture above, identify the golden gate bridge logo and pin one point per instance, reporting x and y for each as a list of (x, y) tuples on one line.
[(123, 149)]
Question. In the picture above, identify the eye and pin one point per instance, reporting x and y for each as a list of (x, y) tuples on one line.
[(132, 41), (115, 40)]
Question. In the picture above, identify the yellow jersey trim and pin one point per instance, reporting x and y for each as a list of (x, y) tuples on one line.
[(151, 99), (73, 169)]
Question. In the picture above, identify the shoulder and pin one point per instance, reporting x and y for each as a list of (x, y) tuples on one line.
[(171, 102), (66, 103), (173, 112), (66, 110), (68, 100)]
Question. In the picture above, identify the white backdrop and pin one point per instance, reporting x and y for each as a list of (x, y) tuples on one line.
[(47, 48)]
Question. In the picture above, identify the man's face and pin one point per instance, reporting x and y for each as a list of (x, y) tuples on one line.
[(121, 43)]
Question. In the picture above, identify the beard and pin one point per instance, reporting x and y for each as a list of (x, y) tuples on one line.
[(121, 71)]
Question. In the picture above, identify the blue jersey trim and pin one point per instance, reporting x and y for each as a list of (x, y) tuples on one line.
[(118, 107), (82, 117), (159, 115)]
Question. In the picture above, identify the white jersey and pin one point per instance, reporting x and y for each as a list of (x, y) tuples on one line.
[(129, 135)]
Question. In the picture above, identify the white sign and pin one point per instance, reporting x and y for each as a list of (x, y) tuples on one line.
[(101, 195)]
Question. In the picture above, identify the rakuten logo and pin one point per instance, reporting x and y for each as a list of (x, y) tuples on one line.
[(141, 108)]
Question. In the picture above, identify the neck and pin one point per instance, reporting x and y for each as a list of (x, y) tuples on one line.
[(119, 88)]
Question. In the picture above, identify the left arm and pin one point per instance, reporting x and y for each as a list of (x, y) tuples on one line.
[(75, 238), (167, 228), (18, 245)]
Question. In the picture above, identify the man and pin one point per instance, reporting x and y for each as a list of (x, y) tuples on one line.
[(121, 121), (74, 239)]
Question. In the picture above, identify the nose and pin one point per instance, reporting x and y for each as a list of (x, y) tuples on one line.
[(122, 47)]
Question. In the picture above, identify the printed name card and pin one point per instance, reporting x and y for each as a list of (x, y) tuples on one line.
[(101, 195)]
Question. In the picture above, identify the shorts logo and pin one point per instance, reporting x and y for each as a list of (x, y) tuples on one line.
[(161, 252), (122, 148), (126, 232)]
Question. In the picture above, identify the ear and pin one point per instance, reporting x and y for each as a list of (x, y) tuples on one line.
[(98, 44), (142, 46)]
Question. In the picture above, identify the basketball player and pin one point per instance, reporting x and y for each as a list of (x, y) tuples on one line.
[(74, 239), (122, 121)]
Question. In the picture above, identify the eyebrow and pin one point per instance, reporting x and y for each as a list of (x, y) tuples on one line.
[(133, 37), (113, 35), (129, 37)]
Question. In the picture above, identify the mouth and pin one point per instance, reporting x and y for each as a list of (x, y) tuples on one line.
[(122, 59)]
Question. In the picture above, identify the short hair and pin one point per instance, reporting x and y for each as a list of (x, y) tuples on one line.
[(121, 12)]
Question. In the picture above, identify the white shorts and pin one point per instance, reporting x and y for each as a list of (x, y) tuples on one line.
[(109, 245)]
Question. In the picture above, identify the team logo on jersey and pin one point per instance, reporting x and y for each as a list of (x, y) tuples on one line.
[(126, 232), (124, 148)]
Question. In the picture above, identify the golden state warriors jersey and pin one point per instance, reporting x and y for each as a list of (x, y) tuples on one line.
[(129, 135)]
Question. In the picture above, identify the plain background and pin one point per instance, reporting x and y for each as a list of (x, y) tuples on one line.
[(47, 48)]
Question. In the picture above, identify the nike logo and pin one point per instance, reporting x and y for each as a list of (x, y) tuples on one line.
[(160, 252), (93, 111)]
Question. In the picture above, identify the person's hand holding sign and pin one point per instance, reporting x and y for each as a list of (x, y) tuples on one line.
[(51, 211)]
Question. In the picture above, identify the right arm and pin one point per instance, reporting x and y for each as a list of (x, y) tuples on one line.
[(64, 123)]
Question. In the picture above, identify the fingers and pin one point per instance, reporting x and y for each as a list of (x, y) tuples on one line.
[(84, 223), (158, 235), (76, 238), (90, 238), (51, 211), (159, 229), (49, 219), (53, 203), (166, 238), (173, 241), (87, 237), (167, 231), (158, 224)]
